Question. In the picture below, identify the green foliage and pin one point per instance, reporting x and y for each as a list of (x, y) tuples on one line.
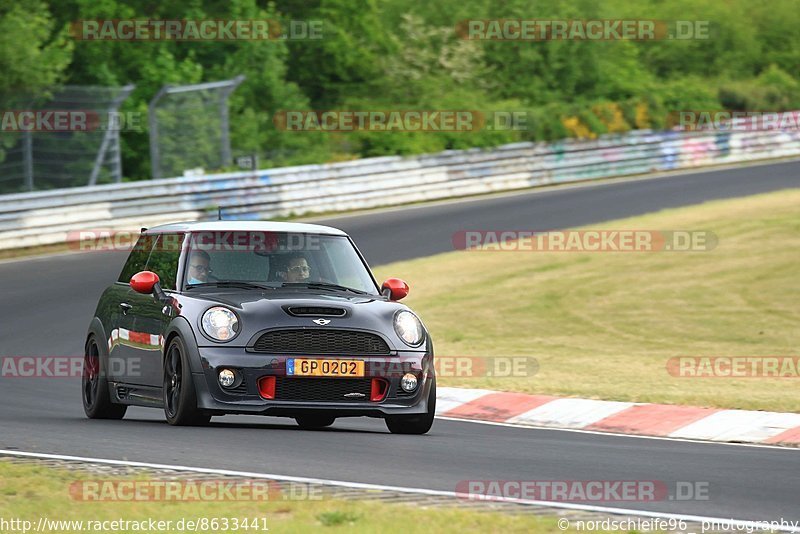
[(337, 518), (773, 89), (407, 55), (34, 52)]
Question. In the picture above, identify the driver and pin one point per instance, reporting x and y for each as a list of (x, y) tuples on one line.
[(199, 267), (297, 270)]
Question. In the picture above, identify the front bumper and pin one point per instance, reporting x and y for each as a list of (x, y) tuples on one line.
[(245, 398)]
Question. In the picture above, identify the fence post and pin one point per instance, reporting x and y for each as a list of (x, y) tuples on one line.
[(27, 154), (111, 136), (155, 162), (227, 159)]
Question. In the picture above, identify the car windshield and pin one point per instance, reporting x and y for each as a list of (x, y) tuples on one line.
[(276, 259)]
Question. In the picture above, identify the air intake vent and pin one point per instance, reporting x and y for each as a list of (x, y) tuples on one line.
[(315, 311), (323, 389), (321, 341)]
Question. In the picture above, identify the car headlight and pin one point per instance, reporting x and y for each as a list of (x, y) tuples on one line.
[(409, 328), (220, 323)]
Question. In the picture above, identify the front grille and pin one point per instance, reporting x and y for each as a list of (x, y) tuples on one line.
[(343, 342), (323, 389)]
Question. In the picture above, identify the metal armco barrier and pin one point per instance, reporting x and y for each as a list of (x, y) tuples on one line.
[(48, 217)]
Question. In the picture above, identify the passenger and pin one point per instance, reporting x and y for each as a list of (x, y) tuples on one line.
[(297, 270)]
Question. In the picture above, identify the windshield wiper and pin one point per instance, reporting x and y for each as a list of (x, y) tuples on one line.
[(323, 285), (230, 283)]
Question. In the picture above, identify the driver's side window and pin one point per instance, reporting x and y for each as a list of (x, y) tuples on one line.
[(137, 260), (164, 259)]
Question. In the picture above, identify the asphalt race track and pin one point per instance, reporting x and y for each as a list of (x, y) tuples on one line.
[(47, 304)]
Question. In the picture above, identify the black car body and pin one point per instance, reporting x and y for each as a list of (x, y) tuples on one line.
[(250, 340)]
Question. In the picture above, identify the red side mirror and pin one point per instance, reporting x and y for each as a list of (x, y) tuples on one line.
[(394, 288), (144, 281)]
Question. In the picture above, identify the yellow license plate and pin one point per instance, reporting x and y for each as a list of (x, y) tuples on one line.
[(324, 367)]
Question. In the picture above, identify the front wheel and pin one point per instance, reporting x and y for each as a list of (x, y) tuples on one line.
[(414, 424), (180, 397), (94, 385)]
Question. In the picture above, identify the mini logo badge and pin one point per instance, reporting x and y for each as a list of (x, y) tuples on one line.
[(322, 322), (355, 395)]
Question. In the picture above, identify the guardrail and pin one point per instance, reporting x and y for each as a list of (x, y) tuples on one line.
[(47, 217)]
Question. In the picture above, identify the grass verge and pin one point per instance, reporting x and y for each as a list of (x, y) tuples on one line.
[(29, 492), (605, 324)]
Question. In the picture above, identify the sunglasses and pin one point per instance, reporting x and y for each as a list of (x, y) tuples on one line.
[(201, 268)]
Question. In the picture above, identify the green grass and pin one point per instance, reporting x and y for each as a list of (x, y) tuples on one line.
[(30, 492), (604, 325)]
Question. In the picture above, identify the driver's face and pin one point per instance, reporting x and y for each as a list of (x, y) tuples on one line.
[(198, 268), (298, 270)]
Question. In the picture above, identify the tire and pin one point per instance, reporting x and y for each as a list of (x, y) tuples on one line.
[(311, 422), (414, 424), (180, 397), (94, 386)]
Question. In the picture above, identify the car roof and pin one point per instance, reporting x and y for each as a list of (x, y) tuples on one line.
[(244, 226)]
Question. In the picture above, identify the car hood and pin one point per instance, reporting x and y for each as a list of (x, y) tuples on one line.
[(262, 310), (277, 297)]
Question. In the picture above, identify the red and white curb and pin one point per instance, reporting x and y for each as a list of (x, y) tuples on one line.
[(663, 420)]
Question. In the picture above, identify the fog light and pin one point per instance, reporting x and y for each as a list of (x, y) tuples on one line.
[(226, 378), (409, 382)]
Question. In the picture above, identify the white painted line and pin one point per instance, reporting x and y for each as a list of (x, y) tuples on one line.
[(37, 257), (739, 425), (743, 524), (618, 435), (450, 398), (570, 413)]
